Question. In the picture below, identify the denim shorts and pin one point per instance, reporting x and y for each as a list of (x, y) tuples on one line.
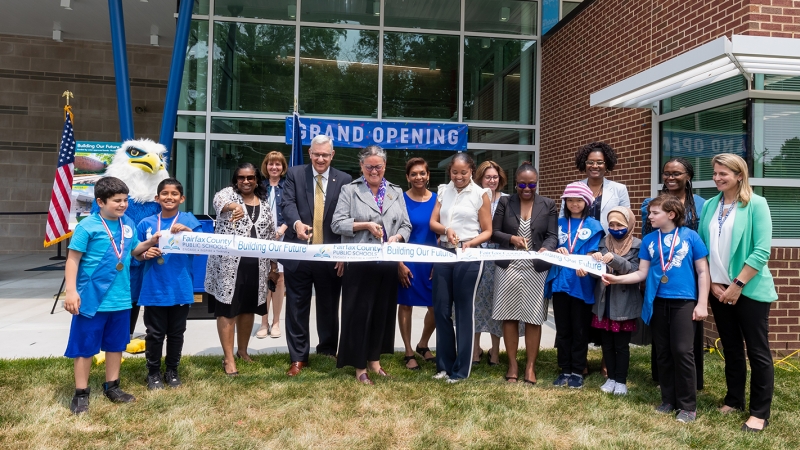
[(107, 331)]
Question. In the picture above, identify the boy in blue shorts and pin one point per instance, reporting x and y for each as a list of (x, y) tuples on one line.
[(98, 290), (167, 288)]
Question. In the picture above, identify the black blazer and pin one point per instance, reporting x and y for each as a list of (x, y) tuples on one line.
[(544, 225)]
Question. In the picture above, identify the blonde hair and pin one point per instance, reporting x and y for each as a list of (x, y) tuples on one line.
[(274, 157), (737, 165), (486, 165)]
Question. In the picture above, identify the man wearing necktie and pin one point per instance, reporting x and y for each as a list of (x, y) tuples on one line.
[(310, 195)]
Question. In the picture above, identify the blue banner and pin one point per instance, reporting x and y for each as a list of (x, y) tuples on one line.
[(549, 14), (388, 135)]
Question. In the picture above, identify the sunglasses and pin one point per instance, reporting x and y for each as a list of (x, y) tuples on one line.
[(246, 177), (529, 185)]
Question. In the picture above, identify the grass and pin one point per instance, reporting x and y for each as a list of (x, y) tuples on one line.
[(325, 408)]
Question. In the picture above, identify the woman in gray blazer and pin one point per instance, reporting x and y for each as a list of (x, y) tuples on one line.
[(370, 210)]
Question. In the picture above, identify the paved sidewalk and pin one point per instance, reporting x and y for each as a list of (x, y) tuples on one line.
[(28, 330)]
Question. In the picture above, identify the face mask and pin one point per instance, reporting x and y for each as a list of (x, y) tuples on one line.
[(618, 234)]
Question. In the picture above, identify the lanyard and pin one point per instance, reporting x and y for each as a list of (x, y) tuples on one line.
[(121, 249), (158, 228), (573, 242), (665, 267), (720, 219)]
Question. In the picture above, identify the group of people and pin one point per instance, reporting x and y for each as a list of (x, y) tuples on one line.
[(688, 250)]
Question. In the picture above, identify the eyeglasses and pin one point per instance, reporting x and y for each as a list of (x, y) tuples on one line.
[(377, 168), (491, 177), (672, 174), (315, 155), (529, 185), (595, 163), (246, 177)]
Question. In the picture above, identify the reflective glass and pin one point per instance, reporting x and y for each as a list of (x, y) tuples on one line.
[(356, 12), (191, 124), (257, 9), (264, 127), (776, 139), (501, 136), (420, 76), (253, 70), (338, 71), (438, 15), (195, 69), (200, 7), (499, 80), (503, 16), (188, 166)]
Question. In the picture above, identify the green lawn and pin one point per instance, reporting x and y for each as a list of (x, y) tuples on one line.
[(325, 408)]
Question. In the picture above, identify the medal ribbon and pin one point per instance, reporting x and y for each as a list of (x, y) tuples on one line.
[(665, 267), (171, 225), (573, 242), (111, 236)]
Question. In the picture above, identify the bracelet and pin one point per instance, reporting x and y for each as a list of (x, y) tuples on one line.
[(739, 282), (445, 230)]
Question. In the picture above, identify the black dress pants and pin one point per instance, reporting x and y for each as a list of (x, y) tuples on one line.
[(369, 313), (572, 316), (748, 319), (164, 322), (617, 354), (699, 355), (673, 335), (327, 286)]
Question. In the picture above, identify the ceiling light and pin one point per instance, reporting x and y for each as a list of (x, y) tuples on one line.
[(154, 35), (505, 13), (292, 11), (65, 5), (57, 31)]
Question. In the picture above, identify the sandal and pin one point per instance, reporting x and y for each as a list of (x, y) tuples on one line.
[(490, 360), (408, 359), (527, 381), (423, 350), (478, 361), (508, 379), (230, 374)]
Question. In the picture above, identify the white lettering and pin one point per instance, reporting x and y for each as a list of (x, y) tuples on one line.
[(404, 135), (438, 137), (452, 137), (416, 136), (329, 131), (314, 131), (391, 133), (344, 133), (377, 135), (358, 134), (302, 131)]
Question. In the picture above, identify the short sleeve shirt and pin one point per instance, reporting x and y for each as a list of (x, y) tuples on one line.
[(682, 279), (459, 210)]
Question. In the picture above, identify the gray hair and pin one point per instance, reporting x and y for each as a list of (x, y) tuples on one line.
[(322, 139), (372, 150)]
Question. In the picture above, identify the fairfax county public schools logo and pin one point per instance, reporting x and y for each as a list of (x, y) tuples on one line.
[(127, 231), (323, 253), (172, 244)]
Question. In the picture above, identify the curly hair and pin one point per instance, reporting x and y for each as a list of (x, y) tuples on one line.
[(692, 219), (609, 155), (260, 191)]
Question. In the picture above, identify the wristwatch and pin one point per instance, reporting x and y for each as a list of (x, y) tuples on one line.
[(739, 282)]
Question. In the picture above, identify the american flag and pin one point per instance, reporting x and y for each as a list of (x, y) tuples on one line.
[(61, 199)]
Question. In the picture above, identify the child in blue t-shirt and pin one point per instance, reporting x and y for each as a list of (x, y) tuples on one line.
[(669, 259), (98, 290), (167, 288), (573, 296)]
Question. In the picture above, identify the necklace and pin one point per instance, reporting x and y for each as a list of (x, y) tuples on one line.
[(720, 219), (252, 214), (665, 267)]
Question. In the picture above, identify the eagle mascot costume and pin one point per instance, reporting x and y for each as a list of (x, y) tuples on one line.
[(140, 164)]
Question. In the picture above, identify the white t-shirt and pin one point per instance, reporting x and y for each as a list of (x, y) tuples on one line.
[(459, 210), (719, 247)]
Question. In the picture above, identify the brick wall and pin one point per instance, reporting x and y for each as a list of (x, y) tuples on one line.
[(611, 40), (33, 74)]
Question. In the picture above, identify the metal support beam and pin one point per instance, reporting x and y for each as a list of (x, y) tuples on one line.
[(118, 47), (175, 80)]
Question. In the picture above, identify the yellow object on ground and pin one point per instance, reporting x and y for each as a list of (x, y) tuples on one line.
[(135, 346)]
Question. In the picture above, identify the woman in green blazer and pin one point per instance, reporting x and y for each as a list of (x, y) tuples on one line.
[(737, 229)]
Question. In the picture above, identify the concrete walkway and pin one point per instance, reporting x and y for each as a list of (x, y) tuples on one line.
[(28, 330)]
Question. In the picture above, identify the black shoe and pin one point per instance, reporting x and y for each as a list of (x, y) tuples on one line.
[(80, 401), (408, 359), (171, 378), (154, 381), (115, 394)]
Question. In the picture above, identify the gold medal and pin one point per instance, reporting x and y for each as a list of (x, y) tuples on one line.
[(120, 266), (160, 260), (664, 278)]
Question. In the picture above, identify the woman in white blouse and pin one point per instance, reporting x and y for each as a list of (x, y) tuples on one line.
[(462, 218)]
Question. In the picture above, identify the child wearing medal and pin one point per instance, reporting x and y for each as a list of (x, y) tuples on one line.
[(573, 296), (167, 287), (673, 261), (98, 290)]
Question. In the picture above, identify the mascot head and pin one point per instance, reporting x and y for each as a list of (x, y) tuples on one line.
[(140, 165)]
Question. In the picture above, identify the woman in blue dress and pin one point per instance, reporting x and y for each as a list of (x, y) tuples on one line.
[(415, 287)]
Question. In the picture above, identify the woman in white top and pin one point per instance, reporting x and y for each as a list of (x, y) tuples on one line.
[(462, 218)]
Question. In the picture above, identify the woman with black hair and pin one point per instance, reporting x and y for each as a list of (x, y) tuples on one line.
[(237, 286), (677, 175)]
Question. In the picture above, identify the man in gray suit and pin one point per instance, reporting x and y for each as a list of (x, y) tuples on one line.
[(310, 195)]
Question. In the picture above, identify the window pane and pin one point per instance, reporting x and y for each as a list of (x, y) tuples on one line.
[(776, 139), (264, 127), (504, 16), (200, 7), (191, 124), (357, 12), (501, 136), (195, 70), (784, 207), (438, 15), (704, 94), (252, 68), (189, 167), (257, 9), (499, 80), (567, 7), (780, 82), (698, 137), (420, 76), (338, 72)]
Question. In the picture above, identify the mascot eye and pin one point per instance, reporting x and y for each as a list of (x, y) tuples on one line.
[(134, 152)]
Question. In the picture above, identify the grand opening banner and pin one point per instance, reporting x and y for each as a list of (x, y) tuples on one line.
[(388, 135), (230, 245)]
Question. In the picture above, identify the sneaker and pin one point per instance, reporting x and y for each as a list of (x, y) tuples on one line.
[(80, 401), (115, 394), (685, 416), (561, 380), (608, 386), (452, 380), (665, 408), (171, 378), (154, 382), (441, 376), (575, 381), (621, 389)]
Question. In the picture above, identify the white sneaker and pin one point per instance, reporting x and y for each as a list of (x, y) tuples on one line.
[(620, 389), (441, 376), (452, 380), (608, 386)]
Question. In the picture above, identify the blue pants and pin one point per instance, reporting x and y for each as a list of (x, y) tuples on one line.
[(455, 284)]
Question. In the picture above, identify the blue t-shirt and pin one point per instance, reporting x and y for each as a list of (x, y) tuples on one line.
[(91, 239), (682, 283), (588, 241), (167, 284)]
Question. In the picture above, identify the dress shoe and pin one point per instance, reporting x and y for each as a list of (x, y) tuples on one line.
[(383, 373), (295, 368), (364, 378)]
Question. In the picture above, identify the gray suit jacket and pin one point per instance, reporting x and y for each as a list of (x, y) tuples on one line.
[(357, 204)]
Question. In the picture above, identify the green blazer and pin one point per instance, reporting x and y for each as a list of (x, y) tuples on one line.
[(750, 244)]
